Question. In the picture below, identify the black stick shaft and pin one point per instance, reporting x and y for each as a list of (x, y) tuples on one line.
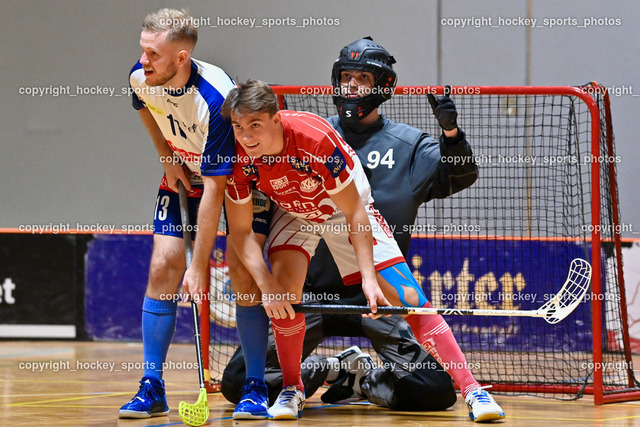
[(188, 249), (348, 309), (363, 309)]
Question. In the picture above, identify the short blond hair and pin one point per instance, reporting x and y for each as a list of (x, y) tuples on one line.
[(178, 22)]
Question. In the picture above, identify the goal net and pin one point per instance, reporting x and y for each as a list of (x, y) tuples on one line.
[(546, 194)]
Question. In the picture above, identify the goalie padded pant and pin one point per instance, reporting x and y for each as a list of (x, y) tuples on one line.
[(409, 378)]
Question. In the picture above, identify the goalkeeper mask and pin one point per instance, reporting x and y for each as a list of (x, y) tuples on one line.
[(363, 55)]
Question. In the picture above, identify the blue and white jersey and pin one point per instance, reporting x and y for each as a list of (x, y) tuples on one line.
[(190, 119)]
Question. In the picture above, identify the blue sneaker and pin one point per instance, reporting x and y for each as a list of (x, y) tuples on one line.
[(254, 402), (150, 401)]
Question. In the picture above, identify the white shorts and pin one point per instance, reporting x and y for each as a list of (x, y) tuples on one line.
[(289, 232)]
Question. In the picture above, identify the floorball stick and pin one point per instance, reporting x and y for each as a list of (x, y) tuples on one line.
[(197, 413), (553, 311)]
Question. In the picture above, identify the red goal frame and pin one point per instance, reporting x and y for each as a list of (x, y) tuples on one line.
[(597, 388)]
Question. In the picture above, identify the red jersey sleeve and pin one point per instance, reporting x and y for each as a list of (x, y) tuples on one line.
[(239, 182)]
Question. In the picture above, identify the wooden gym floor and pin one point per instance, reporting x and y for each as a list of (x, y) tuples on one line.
[(84, 384)]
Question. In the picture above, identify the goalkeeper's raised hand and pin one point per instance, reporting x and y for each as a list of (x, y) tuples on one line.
[(444, 110)]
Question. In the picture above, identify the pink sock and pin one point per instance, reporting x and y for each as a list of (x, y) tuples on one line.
[(289, 336), (434, 334)]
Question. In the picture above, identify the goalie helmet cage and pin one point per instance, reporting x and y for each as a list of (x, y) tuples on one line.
[(546, 193)]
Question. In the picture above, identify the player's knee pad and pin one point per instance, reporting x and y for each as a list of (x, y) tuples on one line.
[(399, 276)]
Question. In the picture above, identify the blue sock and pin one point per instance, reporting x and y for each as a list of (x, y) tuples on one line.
[(158, 326), (253, 330)]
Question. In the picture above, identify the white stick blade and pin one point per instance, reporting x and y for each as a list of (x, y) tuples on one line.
[(571, 293)]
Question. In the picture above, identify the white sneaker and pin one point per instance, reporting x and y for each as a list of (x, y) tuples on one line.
[(482, 407), (289, 404)]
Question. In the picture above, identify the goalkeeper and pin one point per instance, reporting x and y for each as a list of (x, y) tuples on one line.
[(405, 167)]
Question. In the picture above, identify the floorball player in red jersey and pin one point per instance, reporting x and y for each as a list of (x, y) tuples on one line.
[(321, 192)]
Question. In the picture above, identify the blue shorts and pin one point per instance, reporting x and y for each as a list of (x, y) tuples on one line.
[(167, 221), (166, 218)]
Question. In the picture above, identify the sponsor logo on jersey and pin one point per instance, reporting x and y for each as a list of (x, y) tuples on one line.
[(279, 183), (382, 223), (309, 184), (187, 156), (249, 170), (336, 163), (287, 191), (175, 104), (196, 187), (299, 165), (155, 109), (307, 210), (261, 202)]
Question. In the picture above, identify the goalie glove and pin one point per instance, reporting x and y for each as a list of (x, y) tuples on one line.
[(444, 110)]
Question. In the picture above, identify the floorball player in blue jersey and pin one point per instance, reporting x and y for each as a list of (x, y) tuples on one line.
[(178, 99)]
